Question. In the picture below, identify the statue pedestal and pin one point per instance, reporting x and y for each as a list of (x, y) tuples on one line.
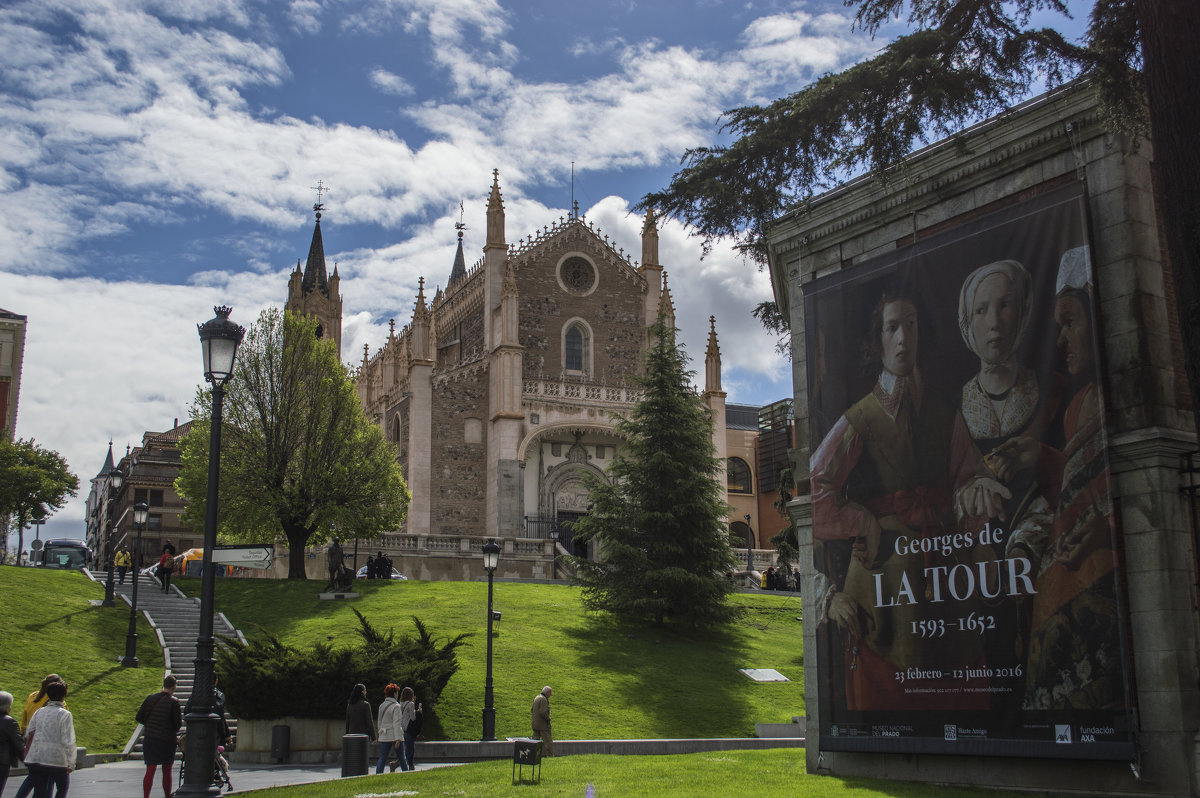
[(337, 595)]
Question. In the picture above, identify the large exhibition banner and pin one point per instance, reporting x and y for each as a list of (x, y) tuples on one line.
[(969, 591)]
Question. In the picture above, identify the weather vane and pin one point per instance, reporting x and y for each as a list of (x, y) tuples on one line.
[(459, 226), (320, 188)]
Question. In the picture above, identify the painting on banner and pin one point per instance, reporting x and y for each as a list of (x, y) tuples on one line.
[(969, 591)]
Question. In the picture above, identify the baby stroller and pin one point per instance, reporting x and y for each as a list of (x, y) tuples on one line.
[(220, 774)]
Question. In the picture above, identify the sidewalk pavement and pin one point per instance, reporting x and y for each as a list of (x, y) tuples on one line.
[(124, 779)]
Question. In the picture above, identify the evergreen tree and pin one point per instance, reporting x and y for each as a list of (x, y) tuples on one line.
[(298, 455), (660, 520)]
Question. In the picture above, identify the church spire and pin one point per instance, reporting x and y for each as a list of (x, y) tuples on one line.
[(495, 215), (315, 275), (459, 269), (712, 359), (649, 240)]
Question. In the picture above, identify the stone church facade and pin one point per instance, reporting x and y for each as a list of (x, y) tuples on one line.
[(500, 390)]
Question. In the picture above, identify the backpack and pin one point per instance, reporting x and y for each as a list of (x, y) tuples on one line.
[(414, 726)]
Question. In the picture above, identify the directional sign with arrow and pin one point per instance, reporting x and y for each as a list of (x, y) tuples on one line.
[(260, 557)]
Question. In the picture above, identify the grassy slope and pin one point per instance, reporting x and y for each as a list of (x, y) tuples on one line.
[(609, 682), (754, 773), (49, 626)]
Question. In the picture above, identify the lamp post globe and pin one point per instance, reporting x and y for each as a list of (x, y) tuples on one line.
[(491, 559), (219, 340), (140, 515), (115, 479)]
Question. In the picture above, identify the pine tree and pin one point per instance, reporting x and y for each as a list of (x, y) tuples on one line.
[(660, 520)]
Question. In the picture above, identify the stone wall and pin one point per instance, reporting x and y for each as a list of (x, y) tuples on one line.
[(613, 310), (458, 477), (1045, 143)]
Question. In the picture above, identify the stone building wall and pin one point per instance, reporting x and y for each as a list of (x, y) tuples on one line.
[(1038, 146), (612, 310), (459, 467)]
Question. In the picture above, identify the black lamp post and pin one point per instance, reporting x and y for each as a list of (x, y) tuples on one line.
[(115, 478), (749, 545), (491, 558), (130, 660), (219, 338)]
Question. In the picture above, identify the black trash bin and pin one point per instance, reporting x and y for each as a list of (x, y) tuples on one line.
[(354, 754), (281, 743)]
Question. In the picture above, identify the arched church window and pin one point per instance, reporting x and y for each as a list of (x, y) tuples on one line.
[(576, 356), (320, 331), (739, 476)]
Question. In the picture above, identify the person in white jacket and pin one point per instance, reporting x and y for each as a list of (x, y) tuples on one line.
[(50, 744), (391, 733)]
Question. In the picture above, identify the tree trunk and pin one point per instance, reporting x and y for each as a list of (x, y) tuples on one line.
[(297, 537), (1172, 73)]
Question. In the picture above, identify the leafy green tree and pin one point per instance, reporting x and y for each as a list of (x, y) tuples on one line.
[(965, 59), (661, 522), (34, 482), (298, 455)]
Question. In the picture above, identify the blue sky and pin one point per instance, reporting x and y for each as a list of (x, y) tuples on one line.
[(157, 157)]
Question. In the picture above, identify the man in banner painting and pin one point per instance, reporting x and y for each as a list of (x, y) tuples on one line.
[(899, 479)]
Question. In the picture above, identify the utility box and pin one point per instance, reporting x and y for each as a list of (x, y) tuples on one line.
[(527, 752)]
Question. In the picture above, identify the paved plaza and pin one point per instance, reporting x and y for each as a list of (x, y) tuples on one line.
[(124, 779)]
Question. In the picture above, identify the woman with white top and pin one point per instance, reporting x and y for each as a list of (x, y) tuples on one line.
[(50, 744), (391, 735)]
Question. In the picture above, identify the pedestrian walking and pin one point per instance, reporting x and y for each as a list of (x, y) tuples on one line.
[(50, 744), (166, 564), (123, 560), (358, 713), (162, 718), (37, 699), (411, 721), (391, 735), (541, 720), (12, 746)]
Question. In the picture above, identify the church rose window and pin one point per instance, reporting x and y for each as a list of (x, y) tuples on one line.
[(577, 275)]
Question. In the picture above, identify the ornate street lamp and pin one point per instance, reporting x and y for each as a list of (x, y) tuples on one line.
[(140, 513), (219, 339), (491, 558), (115, 478)]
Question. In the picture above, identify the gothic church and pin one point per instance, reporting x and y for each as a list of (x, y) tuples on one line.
[(499, 392)]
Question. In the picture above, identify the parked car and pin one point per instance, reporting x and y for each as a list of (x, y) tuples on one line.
[(362, 573)]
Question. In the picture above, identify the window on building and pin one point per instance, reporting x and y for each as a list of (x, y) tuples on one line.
[(154, 522), (576, 355), (156, 498), (739, 480)]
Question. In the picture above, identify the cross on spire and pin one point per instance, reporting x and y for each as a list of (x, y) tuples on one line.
[(320, 188)]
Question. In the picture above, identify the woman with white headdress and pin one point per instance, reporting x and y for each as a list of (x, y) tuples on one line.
[(1007, 413), (1074, 651)]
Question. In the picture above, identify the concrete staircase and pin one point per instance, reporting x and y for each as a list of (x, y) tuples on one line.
[(175, 619)]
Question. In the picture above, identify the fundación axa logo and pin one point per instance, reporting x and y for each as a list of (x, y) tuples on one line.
[(1062, 733)]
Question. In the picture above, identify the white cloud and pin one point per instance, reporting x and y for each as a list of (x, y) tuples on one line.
[(389, 83)]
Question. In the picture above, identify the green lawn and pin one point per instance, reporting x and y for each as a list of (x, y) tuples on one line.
[(609, 681), (727, 773), (49, 626)]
